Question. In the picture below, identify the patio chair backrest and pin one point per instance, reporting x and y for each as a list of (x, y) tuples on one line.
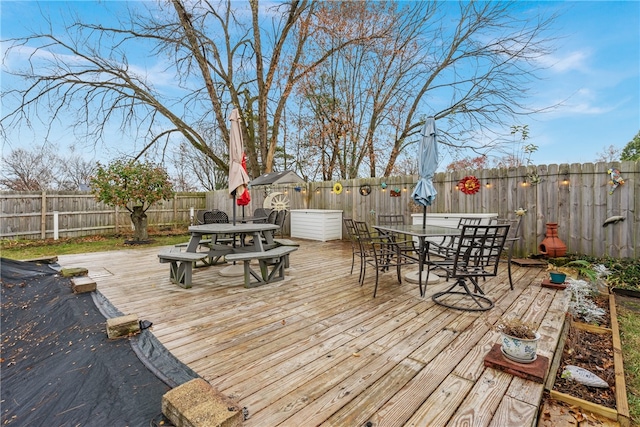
[(364, 239), (200, 216), (390, 219), (259, 213), (469, 221), (216, 217), (281, 217), (352, 234), (514, 229), (273, 216), (512, 238), (478, 251), (350, 226)]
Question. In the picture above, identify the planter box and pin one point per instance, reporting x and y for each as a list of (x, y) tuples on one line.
[(621, 413), (451, 219), (316, 224)]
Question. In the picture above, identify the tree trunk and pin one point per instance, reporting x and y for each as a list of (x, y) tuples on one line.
[(139, 220)]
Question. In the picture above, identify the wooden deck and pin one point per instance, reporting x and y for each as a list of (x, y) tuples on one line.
[(317, 349)]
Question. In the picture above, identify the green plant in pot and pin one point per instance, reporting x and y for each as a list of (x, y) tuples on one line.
[(584, 268), (557, 277), (519, 340), (579, 267)]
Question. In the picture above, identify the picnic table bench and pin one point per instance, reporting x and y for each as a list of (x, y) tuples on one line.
[(272, 263), (181, 267), (214, 252)]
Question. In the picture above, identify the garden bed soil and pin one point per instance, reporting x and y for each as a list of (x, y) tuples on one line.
[(591, 347), (592, 351)]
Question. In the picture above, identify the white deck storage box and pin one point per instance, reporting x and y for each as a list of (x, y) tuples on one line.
[(316, 224), (451, 219)]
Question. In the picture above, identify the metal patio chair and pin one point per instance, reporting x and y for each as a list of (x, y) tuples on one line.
[(272, 217), (476, 256), (381, 253), (446, 247), (512, 239), (216, 217), (356, 250), (406, 244), (281, 217), (261, 213)]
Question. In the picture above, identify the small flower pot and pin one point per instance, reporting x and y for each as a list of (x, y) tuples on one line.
[(557, 277), (519, 349)]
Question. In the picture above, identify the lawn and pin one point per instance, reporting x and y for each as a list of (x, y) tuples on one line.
[(33, 249)]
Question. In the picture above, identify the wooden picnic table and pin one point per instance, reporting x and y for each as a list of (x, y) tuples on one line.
[(273, 257), (262, 235)]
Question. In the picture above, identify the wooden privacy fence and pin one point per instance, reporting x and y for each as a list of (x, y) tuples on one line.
[(30, 215), (576, 196)]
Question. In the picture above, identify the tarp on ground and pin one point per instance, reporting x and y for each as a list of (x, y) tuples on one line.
[(58, 366)]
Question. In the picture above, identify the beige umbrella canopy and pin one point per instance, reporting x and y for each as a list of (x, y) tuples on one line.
[(238, 177)]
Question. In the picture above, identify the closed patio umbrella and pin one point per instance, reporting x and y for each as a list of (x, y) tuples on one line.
[(424, 193), (245, 198), (238, 177)]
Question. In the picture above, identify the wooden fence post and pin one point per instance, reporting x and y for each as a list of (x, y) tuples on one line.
[(43, 216), (175, 210)]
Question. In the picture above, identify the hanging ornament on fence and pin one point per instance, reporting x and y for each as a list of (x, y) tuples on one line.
[(365, 190), (337, 188), (469, 185), (616, 179)]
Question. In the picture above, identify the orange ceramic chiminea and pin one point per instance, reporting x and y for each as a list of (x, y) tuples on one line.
[(552, 246)]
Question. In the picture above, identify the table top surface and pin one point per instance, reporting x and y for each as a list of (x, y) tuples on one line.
[(230, 228), (420, 231)]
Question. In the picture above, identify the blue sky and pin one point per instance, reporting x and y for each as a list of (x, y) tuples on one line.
[(597, 70), (595, 73)]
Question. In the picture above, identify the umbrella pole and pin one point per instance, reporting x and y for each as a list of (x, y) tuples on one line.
[(424, 217), (234, 207)]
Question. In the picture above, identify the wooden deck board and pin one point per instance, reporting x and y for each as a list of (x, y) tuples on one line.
[(317, 349)]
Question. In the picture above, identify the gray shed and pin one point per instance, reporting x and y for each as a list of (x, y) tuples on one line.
[(284, 177)]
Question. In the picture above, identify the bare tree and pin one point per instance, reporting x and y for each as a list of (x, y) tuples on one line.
[(218, 59), (42, 169), (387, 63), (194, 172), (609, 154), (75, 173), (370, 100), (34, 170)]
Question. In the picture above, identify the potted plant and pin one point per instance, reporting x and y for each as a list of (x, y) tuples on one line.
[(584, 268), (519, 340), (557, 277), (578, 267)]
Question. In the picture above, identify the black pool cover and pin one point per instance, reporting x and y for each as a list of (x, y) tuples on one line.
[(60, 369)]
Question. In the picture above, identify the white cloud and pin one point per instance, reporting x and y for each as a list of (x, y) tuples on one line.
[(573, 61)]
